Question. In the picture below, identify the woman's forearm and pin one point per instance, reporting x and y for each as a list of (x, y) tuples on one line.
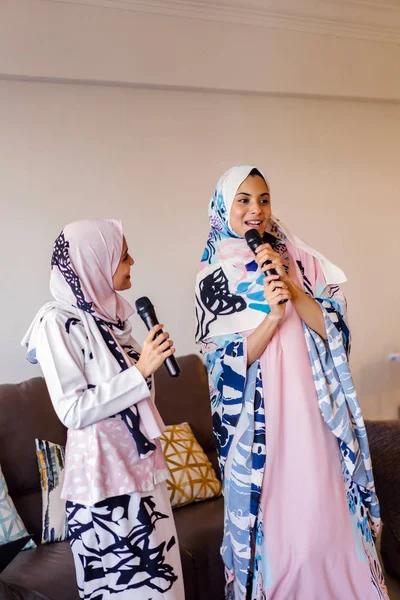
[(308, 309), (260, 338)]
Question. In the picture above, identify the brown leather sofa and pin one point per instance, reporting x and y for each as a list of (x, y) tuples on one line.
[(26, 413), (384, 439)]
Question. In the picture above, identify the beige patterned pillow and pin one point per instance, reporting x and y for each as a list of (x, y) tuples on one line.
[(192, 478)]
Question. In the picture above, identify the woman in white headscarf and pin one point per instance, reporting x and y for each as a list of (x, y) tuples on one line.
[(301, 514), (120, 522)]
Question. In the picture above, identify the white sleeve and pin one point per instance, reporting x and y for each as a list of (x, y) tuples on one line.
[(61, 358)]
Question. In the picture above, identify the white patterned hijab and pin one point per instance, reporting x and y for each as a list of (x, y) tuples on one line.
[(229, 286)]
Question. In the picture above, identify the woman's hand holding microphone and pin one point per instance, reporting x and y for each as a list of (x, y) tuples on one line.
[(154, 351), (276, 287)]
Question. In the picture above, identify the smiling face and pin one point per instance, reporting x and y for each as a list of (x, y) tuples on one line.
[(121, 277), (251, 207)]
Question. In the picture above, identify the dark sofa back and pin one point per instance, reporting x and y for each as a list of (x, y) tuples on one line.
[(26, 413), (186, 398), (384, 442)]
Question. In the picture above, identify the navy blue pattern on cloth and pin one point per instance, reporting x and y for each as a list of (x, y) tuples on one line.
[(217, 299), (236, 390), (118, 546), (306, 282), (129, 416), (70, 322), (61, 260)]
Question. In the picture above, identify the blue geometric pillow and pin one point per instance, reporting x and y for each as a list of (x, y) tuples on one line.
[(11, 525), (51, 462)]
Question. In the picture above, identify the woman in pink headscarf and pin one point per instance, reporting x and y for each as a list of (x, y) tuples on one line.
[(120, 522)]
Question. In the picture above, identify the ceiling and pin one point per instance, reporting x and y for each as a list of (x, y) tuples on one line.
[(377, 20)]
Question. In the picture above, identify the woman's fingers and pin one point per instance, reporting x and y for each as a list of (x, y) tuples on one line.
[(263, 248), (266, 251), (160, 339), (155, 350), (280, 292), (165, 346), (270, 278), (266, 263), (152, 332), (283, 295), (275, 284), (267, 267)]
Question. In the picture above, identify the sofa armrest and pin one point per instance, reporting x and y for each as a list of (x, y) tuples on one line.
[(384, 441)]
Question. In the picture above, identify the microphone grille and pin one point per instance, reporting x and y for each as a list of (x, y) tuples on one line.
[(143, 304), (253, 238)]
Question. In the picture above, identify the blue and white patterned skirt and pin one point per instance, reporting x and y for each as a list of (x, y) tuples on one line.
[(126, 548)]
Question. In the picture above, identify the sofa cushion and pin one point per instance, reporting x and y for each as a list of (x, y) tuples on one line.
[(384, 441), (51, 464), (189, 575), (10, 550), (29, 399), (200, 530), (11, 525), (16, 592), (187, 398), (192, 477), (49, 569)]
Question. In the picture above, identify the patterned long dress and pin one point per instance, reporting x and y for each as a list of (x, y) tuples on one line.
[(122, 531), (120, 522), (126, 547), (301, 513)]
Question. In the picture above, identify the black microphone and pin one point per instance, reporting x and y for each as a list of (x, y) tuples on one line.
[(254, 240), (146, 311)]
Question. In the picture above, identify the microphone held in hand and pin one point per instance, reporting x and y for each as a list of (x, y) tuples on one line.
[(254, 240), (146, 311)]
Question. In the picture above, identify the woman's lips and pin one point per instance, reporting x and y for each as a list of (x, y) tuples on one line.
[(254, 224)]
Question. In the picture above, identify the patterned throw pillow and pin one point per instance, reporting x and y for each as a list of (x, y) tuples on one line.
[(193, 478), (50, 459), (11, 525)]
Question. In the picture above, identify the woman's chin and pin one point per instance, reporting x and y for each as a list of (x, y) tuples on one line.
[(124, 286)]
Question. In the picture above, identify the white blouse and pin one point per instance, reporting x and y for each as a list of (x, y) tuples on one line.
[(88, 389)]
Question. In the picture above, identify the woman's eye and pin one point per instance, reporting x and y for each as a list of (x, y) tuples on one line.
[(265, 201), (243, 200)]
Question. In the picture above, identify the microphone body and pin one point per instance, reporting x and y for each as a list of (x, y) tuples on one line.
[(147, 313), (254, 240)]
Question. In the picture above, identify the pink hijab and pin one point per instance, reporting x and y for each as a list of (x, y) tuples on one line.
[(85, 257)]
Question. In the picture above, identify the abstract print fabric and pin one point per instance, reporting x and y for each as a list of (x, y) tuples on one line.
[(126, 547), (229, 305)]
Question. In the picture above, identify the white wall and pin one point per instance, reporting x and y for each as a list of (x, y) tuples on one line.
[(132, 42), (152, 158)]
